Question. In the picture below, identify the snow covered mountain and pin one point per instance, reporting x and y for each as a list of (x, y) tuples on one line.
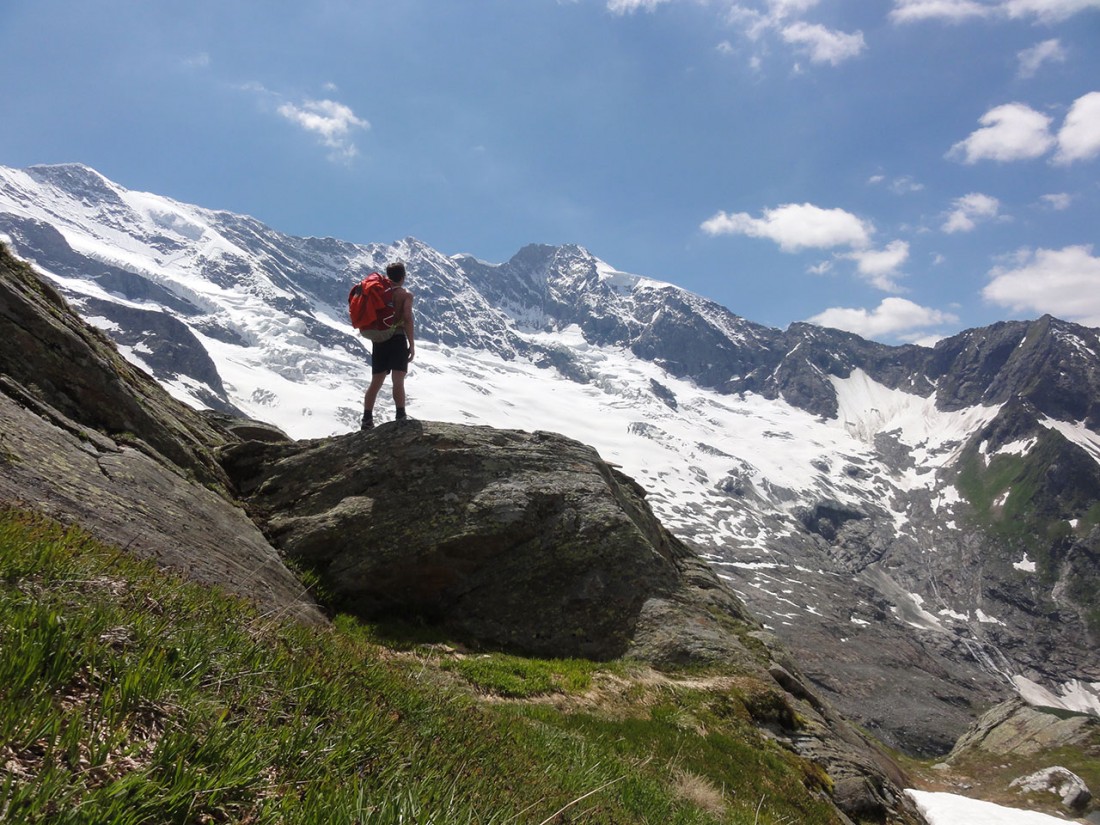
[(918, 525)]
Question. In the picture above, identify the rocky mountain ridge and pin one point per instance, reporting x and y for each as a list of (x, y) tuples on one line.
[(918, 524)]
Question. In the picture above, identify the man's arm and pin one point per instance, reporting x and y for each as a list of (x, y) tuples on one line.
[(407, 318)]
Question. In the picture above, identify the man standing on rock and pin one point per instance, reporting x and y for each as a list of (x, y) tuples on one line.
[(394, 354)]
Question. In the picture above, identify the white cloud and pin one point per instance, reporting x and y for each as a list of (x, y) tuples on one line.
[(1058, 201), (1012, 131), (1063, 282), (1079, 137), (785, 8), (783, 17), (630, 6), (799, 226), (956, 11), (904, 185), (879, 266), (333, 122), (892, 317), (824, 45), (1049, 11), (1031, 60), (795, 227), (968, 210)]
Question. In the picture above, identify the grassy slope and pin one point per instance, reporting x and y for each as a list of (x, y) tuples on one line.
[(127, 696)]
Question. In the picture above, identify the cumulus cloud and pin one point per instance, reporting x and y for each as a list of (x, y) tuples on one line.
[(893, 317), (956, 11), (824, 45), (968, 210), (1031, 60), (329, 120), (1013, 131), (784, 18), (795, 226), (1079, 137), (1062, 282), (880, 266)]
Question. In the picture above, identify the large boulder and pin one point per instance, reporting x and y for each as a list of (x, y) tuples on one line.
[(527, 541)]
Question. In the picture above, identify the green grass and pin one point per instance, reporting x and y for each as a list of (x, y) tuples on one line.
[(518, 677), (128, 697), (1011, 500)]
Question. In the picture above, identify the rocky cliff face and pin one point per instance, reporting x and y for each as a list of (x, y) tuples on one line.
[(528, 542), (89, 440)]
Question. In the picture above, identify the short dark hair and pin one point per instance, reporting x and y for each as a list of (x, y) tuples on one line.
[(396, 271)]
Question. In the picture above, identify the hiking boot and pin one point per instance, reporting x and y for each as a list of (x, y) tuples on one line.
[(367, 424)]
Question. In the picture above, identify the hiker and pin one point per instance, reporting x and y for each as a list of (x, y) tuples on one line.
[(393, 355)]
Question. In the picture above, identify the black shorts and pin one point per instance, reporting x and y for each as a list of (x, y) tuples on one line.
[(391, 355)]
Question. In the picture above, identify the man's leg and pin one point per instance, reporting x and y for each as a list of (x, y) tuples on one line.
[(399, 392), (376, 382)]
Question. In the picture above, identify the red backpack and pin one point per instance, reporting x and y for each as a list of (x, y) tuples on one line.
[(370, 304)]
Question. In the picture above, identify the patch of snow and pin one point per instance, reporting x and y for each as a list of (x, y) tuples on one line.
[(950, 809), (985, 618), (1021, 447), (1025, 564), (1074, 695), (952, 614), (946, 497), (1078, 433), (867, 409)]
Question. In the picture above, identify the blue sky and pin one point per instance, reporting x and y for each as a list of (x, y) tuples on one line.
[(904, 169)]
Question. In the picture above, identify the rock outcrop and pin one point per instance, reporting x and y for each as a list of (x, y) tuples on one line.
[(1014, 728), (89, 440), (528, 541)]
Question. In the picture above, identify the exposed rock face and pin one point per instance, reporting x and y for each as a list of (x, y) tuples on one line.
[(1014, 728), (89, 440), (527, 541), (75, 369)]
